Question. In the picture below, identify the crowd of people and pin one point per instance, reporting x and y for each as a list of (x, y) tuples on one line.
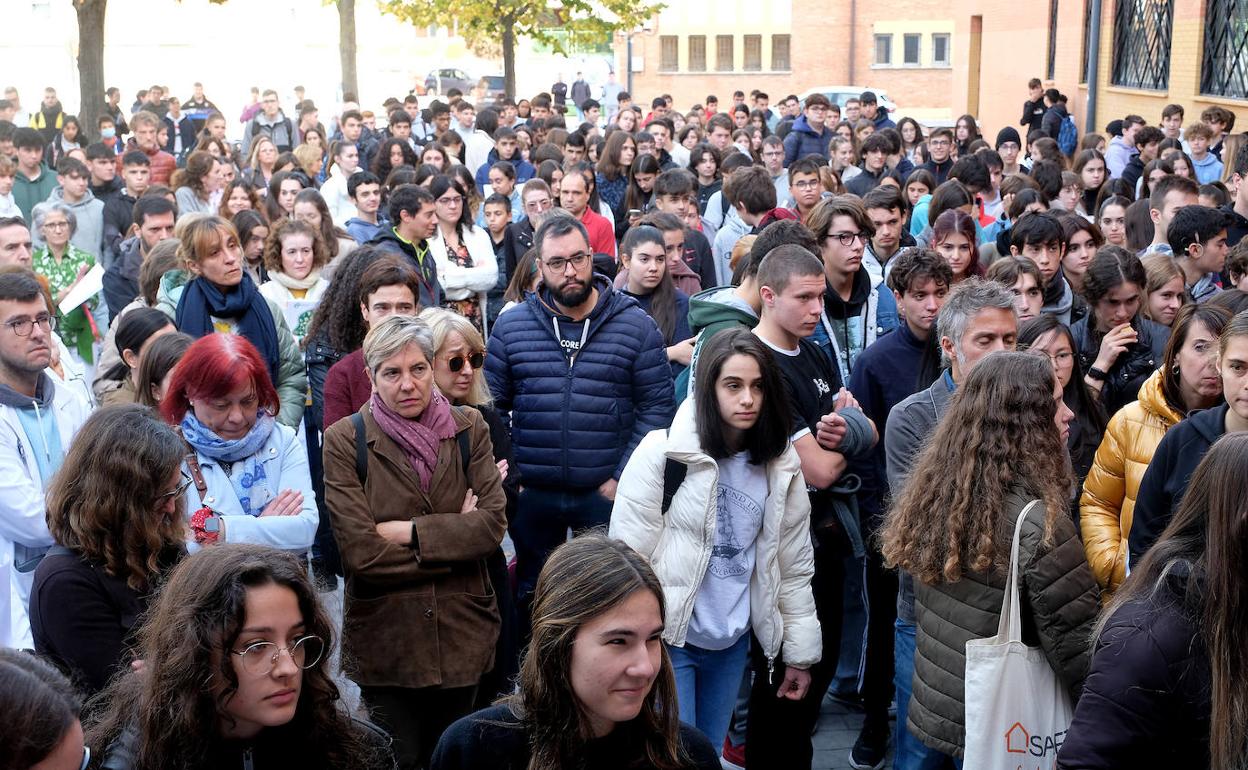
[(628, 434)]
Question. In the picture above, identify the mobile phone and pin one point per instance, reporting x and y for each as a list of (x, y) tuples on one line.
[(634, 213)]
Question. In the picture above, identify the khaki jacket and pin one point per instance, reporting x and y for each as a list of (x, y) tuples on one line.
[(423, 617)]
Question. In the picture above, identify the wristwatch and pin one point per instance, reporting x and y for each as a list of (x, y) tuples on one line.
[(1097, 374), (206, 526)]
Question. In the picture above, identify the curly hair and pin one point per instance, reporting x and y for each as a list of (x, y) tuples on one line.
[(177, 702), (284, 228), (382, 166), (337, 315), (998, 434)]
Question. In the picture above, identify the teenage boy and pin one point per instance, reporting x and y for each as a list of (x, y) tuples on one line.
[(886, 374), (102, 163), (1197, 236), (991, 205), (752, 195), (1220, 120), (1023, 278), (1172, 121), (496, 211), (875, 150), (856, 308), (805, 186), (119, 210), (107, 129), (886, 209), (502, 181), (413, 221), (1207, 166), (1033, 108), (506, 147), (1009, 145), (364, 191), (1122, 147), (674, 192), (784, 701), (73, 189), (34, 181), (1038, 237), (809, 135), (1171, 193), (1237, 208), (1147, 140), (939, 148)]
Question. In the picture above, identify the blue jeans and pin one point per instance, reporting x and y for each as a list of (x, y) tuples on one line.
[(910, 753), (543, 517), (707, 682)]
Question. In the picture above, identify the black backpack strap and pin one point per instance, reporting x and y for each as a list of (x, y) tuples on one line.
[(361, 447), (465, 448), (673, 476)]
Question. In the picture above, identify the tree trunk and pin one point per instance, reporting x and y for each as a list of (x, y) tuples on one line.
[(90, 63), (509, 55), (346, 46)]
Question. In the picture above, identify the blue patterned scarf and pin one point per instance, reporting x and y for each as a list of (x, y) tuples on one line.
[(249, 481)]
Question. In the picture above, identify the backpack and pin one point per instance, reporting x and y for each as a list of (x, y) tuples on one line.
[(1068, 136), (673, 476)]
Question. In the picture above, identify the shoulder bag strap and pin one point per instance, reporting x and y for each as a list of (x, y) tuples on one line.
[(674, 473), (192, 465), (1010, 627), (361, 447)]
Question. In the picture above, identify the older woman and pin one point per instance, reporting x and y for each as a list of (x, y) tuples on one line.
[(64, 265), (250, 474), (118, 519), (417, 505), (221, 297)]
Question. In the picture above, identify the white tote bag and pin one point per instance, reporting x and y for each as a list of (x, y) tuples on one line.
[(1017, 710)]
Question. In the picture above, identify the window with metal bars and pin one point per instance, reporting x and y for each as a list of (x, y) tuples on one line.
[(669, 57), (1051, 67), (1224, 66), (780, 52), (697, 53), (723, 53), (1142, 34), (1087, 32), (753, 61)]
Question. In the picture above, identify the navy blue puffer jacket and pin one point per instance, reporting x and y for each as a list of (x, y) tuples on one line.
[(576, 426)]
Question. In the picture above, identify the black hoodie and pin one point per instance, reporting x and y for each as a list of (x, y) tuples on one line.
[(1165, 481)]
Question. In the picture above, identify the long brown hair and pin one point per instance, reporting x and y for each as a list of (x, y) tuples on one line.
[(102, 502), (1207, 541), (176, 703), (998, 434), (582, 579)]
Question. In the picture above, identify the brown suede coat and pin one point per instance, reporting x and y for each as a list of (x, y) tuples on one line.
[(426, 617)]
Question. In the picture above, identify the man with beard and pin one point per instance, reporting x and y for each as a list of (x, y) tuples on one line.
[(581, 372)]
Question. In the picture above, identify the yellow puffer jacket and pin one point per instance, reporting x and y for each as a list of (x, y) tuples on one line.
[(1108, 502)]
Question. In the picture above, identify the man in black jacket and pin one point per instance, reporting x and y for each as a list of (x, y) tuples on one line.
[(154, 217), (939, 147), (136, 169), (1033, 108)]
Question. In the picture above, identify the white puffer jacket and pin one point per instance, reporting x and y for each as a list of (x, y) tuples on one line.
[(678, 545)]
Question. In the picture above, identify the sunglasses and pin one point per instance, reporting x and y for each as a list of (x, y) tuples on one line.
[(455, 363)]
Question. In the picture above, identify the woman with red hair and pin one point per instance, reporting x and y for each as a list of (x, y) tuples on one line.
[(249, 474)]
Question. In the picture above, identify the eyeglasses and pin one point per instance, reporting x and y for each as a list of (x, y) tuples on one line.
[(23, 326), (847, 239), (578, 260), (539, 205), (56, 225), (456, 363), (806, 184), (176, 492), (1061, 359), (451, 200), (260, 658)]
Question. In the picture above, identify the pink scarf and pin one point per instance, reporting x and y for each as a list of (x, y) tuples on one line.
[(419, 438)]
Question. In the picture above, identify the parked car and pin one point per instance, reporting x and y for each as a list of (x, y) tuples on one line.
[(838, 95), (441, 80), (493, 87)]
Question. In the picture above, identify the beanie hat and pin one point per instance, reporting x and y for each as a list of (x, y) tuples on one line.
[(1008, 134)]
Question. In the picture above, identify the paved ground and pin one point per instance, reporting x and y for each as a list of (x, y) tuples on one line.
[(838, 729)]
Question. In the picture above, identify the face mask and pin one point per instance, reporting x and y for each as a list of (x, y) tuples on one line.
[(108, 133)]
